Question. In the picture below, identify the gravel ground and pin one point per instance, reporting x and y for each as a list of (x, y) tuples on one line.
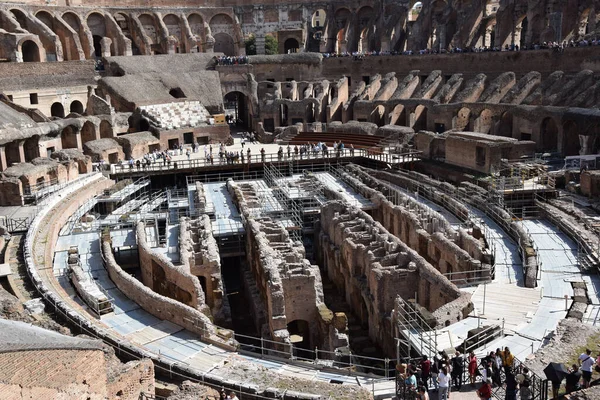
[(262, 378)]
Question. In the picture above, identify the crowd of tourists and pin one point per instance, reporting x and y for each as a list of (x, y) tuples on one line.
[(444, 374), (232, 60), (474, 49)]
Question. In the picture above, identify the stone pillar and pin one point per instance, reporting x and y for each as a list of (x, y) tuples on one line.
[(105, 44), (260, 43), (3, 163), (22, 151)]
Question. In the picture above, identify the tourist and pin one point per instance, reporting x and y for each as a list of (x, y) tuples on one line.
[(457, 370), (223, 395), (435, 370), (232, 396), (411, 380), (422, 393), (472, 368), (425, 371), (507, 360), (262, 154), (487, 372), (498, 367), (511, 387), (587, 363), (444, 384), (525, 391), (485, 391), (573, 379)]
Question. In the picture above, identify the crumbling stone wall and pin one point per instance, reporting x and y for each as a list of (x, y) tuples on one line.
[(373, 267), (288, 284), (156, 304), (424, 230), (165, 278), (200, 253)]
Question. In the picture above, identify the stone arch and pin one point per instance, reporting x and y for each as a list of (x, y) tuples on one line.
[(365, 16), (97, 26), (69, 45), (505, 125), (548, 135), (124, 22), (196, 24), (570, 139), (68, 138), (31, 51), (46, 18), (398, 115), (483, 123), (342, 18), (418, 118), (19, 16), (221, 19), (73, 20), (377, 116), (149, 24), (461, 121), (414, 10), (57, 110), (76, 107), (173, 24), (291, 45), (318, 18), (106, 129), (88, 132), (224, 44), (300, 334)]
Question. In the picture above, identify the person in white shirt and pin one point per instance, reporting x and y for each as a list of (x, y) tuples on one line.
[(444, 381), (587, 363)]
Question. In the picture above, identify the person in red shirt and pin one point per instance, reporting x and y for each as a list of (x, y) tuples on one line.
[(425, 371), (485, 391), (472, 368)]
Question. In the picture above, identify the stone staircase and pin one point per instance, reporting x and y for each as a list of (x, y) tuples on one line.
[(171, 116)]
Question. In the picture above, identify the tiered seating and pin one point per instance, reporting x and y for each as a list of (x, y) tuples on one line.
[(357, 140), (176, 115)]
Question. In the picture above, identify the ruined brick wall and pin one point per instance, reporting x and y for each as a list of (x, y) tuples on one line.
[(160, 306), (373, 267), (422, 229), (41, 374), (131, 379), (165, 278), (288, 284), (200, 255)]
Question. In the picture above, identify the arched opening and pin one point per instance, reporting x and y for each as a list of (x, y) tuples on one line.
[(144, 125), (343, 17), (106, 130), (20, 17), (31, 148), (57, 110), (45, 18), (173, 24), (414, 12), (68, 138), (505, 125), (310, 113), (76, 107), (318, 18), (124, 23), (283, 114), (570, 139), (290, 46), (149, 25), (97, 26), (224, 44), (88, 132), (378, 116), (300, 335), (461, 121), (237, 107), (418, 118), (548, 135), (177, 93), (72, 20), (97, 46), (30, 51), (483, 123), (398, 115), (365, 25), (196, 23), (522, 33), (13, 155)]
